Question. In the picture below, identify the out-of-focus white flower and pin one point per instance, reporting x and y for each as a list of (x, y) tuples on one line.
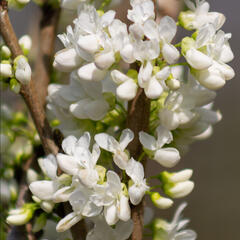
[(173, 230), (102, 230), (168, 157), (110, 144), (164, 34), (21, 216), (137, 184), (26, 43), (114, 198), (23, 70), (199, 15), (6, 69)]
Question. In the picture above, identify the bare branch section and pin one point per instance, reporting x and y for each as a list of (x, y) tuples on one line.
[(28, 92), (138, 120), (47, 35)]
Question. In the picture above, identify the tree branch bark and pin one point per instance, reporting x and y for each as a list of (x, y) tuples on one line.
[(138, 120), (46, 38)]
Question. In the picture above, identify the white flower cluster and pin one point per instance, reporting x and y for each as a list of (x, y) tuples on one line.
[(108, 62), (86, 185)]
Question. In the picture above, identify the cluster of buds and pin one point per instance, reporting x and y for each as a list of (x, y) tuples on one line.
[(18, 71)]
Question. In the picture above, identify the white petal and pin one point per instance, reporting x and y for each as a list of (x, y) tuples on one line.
[(68, 145), (89, 177), (164, 136), (95, 154), (181, 176), (148, 141), (90, 72), (145, 74), (78, 108), (104, 59), (169, 119), (43, 189), (110, 213), (153, 89), (126, 137), (107, 18), (182, 189), (114, 182), (136, 194), (118, 77), (135, 170), (127, 53), (163, 74), (167, 157), (127, 90), (67, 60), (97, 109), (124, 211), (89, 43), (68, 164), (84, 140), (68, 221), (23, 71), (170, 53), (167, 28), (50, 166), (150, 29), (63, 194), (106, 142), (198, 60)]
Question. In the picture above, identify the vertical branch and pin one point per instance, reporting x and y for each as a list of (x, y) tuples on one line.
[(138, 120), (47, 36)]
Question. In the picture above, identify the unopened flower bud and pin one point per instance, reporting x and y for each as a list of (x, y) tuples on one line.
[(23, 71), (161, 202), (5, 69), (179, 190), (5, 52), (20, 216), (47, 206), (15, 86), (26, 43), (173, 84)]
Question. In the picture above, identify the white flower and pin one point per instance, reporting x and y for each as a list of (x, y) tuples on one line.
[(102, 230), (141, 11), (110, 144), (137, 185), (23, 71), (26, 43), (127, 88), (175, 229), (113, 197), (199, 15), (78, 160), (81, 99), (176, 111), (168, 157), (153, 85), (51, 190), (164, 34)]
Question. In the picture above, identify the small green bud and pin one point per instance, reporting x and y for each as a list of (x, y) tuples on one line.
[(186, 19), (5, 52), (15, 85), (186, 44)]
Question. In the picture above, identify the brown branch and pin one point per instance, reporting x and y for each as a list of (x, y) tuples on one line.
[(28, 92), (138, 120), (46, 39)]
